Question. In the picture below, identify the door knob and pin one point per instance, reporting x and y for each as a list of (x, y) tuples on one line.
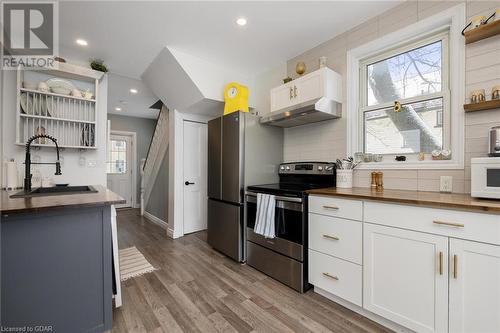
[(188, 183)]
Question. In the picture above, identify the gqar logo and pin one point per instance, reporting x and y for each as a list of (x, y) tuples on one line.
[(29, 32)]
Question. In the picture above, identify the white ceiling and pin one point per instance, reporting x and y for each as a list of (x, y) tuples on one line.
[(135, 105), (127, 35)]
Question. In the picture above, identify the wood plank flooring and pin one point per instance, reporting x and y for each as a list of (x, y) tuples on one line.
[(197, 289)]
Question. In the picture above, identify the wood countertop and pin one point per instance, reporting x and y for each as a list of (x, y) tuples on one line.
[(418, 198), (103, 197)]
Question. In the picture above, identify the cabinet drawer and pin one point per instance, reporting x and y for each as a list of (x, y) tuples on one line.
[(337, 276), (452, 223), (337, 237), (332, 206)]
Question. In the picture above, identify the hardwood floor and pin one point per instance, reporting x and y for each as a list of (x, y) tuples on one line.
[(197, 289)]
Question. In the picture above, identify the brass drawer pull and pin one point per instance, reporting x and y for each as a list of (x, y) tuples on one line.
[(331, 207), (331, 237), (455, 266), (440, 263), (334, 277), (450, 224)]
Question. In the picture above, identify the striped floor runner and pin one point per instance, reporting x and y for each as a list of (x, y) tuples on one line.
[(133, 263)]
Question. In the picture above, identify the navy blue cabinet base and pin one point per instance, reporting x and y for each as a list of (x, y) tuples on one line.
[(56, 269)]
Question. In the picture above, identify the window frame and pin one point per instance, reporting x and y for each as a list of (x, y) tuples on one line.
[(448, 22), (443, 37)]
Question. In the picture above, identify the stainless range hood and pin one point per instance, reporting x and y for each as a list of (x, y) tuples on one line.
[(304, 113)]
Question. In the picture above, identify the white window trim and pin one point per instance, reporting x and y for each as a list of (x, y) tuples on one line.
[(454, 18)]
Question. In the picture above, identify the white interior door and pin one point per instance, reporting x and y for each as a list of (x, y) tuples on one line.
[(195, 176), (120, 167)]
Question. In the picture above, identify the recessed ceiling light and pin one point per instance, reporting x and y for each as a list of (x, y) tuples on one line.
[(82, 42), (118, 109), (241, 21), (133, 91)]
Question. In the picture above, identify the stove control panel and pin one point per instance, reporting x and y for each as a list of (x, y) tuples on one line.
[(307, 168)]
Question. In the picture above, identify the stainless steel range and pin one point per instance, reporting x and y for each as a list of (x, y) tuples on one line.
[(285, 256)]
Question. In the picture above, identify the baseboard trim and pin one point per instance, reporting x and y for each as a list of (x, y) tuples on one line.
[(365, 313), (170, 232), (156, 220)]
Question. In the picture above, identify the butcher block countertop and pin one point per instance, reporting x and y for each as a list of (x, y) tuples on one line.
[(418, 198), (103, 197)]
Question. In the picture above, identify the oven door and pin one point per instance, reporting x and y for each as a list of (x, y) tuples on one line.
[(289, 224)]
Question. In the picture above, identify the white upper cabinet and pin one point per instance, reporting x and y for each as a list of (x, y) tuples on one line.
[(474, 287), (406, 277), (323, 83), (281, 97)]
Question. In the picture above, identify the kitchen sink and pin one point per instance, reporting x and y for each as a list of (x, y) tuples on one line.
[(57, 190)]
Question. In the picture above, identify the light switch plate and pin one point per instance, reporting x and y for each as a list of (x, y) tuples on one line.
[(446, 184)]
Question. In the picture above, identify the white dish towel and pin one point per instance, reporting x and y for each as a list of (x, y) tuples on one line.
[(264, 220)]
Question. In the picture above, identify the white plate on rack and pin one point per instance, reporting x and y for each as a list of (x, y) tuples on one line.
[(32, 107), (39, 108), (60, 86)]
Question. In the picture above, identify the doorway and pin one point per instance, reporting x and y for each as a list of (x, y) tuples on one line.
[(195, 161), (121, 166)]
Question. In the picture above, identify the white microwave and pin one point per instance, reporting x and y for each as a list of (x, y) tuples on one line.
[(485, 177)]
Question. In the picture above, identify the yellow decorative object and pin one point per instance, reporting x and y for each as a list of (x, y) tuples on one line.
[(397, 106), (236, 98)]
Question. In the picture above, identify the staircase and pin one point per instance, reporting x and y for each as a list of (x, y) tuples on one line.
[(157, 150)]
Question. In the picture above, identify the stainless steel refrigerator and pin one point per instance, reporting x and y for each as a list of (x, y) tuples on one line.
[(241, 152)]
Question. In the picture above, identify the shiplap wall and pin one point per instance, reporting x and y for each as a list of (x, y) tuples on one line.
[(327, 140)]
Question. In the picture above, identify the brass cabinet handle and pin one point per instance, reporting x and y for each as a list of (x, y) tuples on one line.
[(455, 266), (291, 92), (334, 277), (294, 91), (331, 237), (440, 263), (331, 207), (451, 224)]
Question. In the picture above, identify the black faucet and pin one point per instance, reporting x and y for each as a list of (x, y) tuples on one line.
[(27, 162)]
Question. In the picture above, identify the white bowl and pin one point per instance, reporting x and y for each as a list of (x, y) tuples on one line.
[(42, 86), (30, 85)]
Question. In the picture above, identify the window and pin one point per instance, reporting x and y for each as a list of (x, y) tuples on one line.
[(117, 160), (422, 67), (415, 76)]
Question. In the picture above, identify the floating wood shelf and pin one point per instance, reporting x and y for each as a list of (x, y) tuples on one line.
[(482, 32), (488, 105)]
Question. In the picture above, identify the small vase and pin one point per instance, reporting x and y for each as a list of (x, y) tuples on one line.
[(300, 68)]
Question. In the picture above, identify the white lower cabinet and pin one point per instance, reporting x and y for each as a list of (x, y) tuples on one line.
[(426, 269), (474, 287), (339, 277), (406, 277)]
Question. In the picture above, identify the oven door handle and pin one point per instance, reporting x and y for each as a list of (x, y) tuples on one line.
[(277, 197)]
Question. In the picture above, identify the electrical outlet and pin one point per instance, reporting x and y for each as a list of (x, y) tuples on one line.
[(446, 184), (91, 163)]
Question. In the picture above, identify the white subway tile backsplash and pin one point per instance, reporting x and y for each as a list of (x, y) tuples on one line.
[(483, 60), (479, 130), (482, 117), (475, 7)]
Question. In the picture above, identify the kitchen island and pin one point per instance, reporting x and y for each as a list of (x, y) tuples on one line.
[(56, 262)]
